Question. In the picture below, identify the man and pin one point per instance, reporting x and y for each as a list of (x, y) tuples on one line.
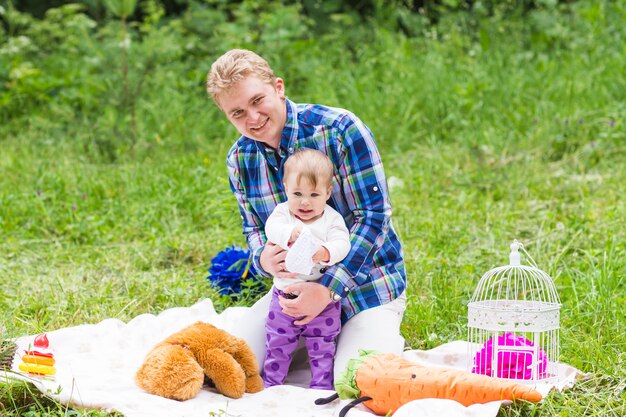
[(371, 280)]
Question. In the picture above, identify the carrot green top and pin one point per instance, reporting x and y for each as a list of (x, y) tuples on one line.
[(345, 383)]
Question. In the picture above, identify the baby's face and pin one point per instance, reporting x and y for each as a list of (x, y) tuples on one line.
[(306, 202)]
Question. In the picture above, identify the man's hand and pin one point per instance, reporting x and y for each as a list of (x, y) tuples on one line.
[(311, 301), (272, 261)]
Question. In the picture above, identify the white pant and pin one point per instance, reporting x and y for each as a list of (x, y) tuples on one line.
[(377, 328)]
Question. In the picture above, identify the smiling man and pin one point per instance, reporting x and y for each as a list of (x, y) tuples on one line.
[(370, 282)]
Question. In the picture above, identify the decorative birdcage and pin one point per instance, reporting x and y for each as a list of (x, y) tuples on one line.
[(513, 322)]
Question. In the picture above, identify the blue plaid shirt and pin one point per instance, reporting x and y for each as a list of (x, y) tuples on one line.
[(373, 273)]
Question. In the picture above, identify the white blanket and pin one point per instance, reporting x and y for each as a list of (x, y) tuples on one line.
[(96, 365)]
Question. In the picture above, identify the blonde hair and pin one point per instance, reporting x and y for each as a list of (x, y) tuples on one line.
[(234, 66), (312, 165)]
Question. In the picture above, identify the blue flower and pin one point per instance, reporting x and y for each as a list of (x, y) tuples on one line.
[(229, 268)]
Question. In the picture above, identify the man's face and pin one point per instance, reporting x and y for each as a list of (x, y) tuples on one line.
[(306, 202), (257, 109)]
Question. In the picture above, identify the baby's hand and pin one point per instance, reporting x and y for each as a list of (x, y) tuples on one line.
[(322, 255), (295, 233)]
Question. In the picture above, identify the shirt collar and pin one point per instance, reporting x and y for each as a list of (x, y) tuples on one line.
[(290, 132)]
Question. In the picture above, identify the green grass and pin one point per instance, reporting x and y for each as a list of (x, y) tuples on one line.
[(489, 135)]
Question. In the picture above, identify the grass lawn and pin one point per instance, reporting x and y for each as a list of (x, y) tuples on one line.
[(483, 142)]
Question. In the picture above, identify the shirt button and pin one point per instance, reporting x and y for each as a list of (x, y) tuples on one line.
[(375, 188), (290, 150)]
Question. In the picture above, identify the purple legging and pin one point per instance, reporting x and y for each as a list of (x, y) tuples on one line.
[(281, 339)]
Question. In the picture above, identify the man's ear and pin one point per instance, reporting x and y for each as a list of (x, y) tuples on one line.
[(280, 87)]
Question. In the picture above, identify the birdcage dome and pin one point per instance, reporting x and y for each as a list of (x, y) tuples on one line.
[(521, 292), (513, 321)]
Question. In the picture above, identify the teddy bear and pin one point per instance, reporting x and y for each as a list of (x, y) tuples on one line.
[(175, 368)]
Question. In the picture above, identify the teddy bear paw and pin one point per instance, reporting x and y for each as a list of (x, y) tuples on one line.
[(254, 384)]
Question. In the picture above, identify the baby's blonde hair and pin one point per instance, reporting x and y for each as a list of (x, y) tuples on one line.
[(234, 66), (312, 165)]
